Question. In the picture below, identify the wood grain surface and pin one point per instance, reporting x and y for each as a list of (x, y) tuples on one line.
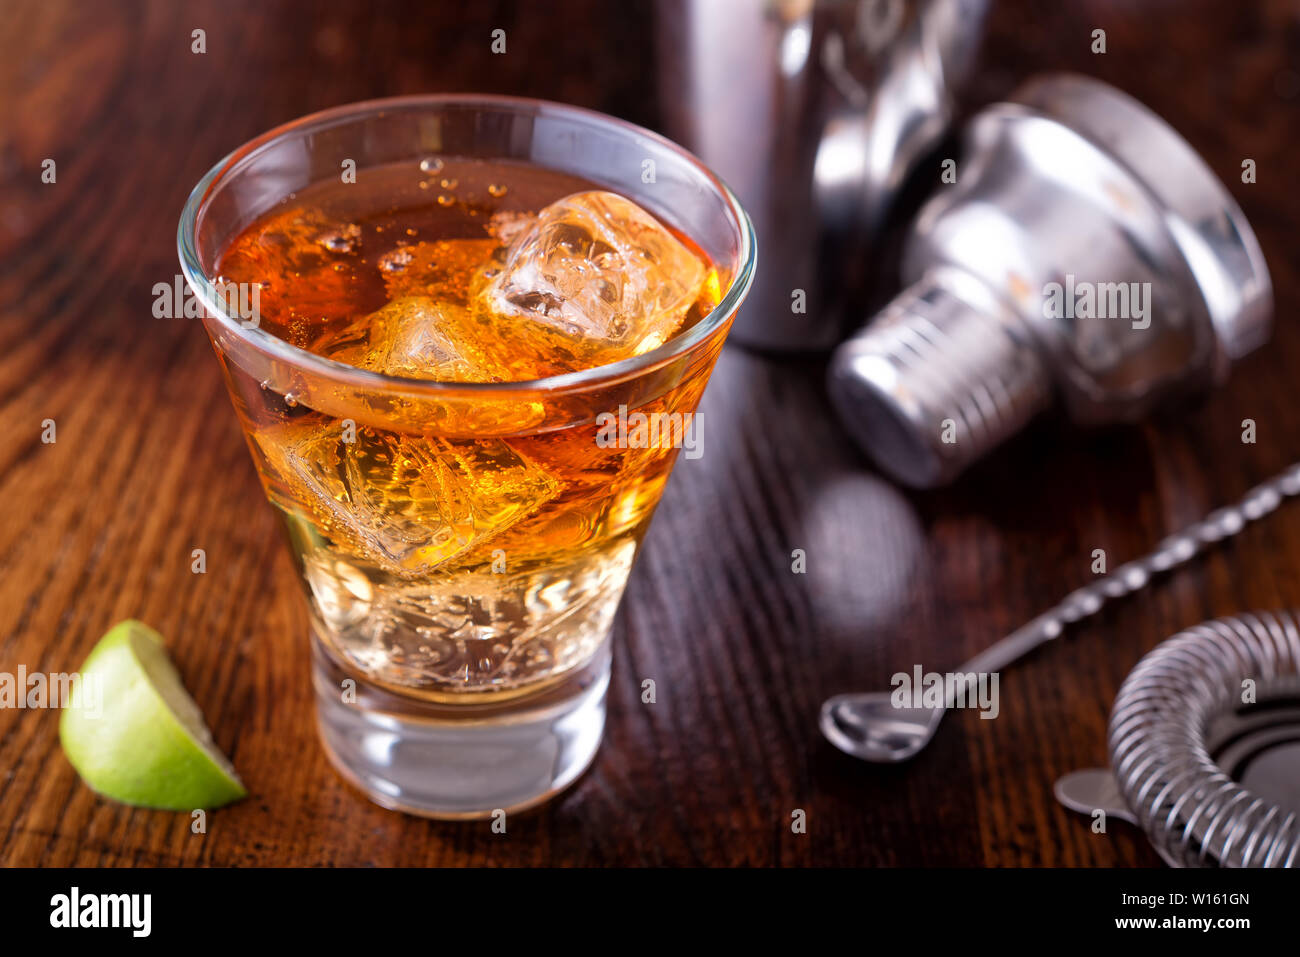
[(149, 464)]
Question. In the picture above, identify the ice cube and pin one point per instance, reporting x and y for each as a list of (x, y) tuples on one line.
[(343, 594), (405, 503), (598, 267), (416, 337), (423, 338), (479, 630)]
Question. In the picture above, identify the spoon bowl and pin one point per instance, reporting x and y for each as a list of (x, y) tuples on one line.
[(870, 727)]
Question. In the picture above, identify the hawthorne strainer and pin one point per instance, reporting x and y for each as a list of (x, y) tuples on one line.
[(1205, 746)]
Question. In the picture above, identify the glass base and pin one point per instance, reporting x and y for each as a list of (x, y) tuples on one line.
[(460, 762)]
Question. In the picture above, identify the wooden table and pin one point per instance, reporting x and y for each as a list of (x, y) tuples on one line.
[(149, 464)]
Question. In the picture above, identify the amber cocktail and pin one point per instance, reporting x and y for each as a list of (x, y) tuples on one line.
[(482, 329)]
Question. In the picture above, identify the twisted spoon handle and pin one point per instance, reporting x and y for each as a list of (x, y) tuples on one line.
[(1132, 576)]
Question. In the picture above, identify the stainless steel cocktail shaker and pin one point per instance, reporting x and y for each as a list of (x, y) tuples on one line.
[(813, 111), (1085, 252)]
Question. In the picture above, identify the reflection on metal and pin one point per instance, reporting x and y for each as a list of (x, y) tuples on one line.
[(814, 113)]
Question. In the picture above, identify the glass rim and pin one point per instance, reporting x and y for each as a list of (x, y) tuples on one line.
[(276, 348)]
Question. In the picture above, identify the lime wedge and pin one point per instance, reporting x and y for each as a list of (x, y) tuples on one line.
[(135, 735)]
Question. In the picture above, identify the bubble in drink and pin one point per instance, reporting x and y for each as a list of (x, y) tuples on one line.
[(342, 241)]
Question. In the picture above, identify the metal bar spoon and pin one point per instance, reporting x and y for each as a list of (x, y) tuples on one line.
[(870, 727)]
